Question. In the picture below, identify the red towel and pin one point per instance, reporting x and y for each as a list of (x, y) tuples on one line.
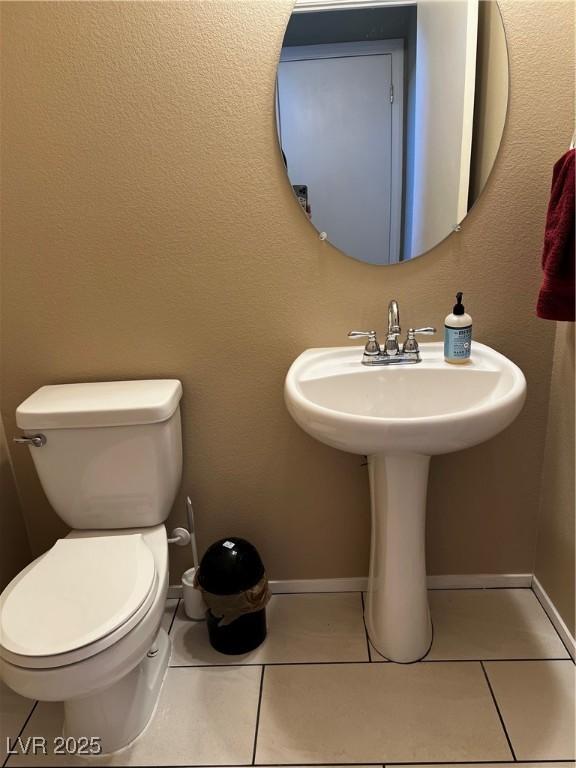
[(556, 299)]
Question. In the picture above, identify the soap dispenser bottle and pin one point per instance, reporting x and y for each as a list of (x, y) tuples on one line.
[(457, 334)]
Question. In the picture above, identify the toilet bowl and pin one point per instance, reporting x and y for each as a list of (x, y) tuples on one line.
[(82, 623), (100, 662)]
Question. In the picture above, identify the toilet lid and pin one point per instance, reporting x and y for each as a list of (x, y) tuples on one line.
[(81, 591)]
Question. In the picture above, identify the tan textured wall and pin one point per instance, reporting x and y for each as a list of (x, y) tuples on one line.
[(14, 547), (149, 230), (555, 551)]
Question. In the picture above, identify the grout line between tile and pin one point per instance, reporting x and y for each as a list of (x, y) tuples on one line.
[(360, 661), (365, 628), (258, 714), (174, 615), (462, 661), (555, 763), (489, 762), (274, 663), (498, 710), (21, 731)]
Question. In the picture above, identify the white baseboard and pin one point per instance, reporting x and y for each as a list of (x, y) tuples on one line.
[(353, 584), (480, 581), (554, 617), (360, 583)]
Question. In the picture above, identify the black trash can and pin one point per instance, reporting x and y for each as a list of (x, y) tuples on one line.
[(235, 589)]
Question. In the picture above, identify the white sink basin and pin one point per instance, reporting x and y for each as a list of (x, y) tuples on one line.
[(431, 407), (399, 416)]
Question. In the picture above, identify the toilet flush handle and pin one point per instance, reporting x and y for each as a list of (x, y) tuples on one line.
[(180, 537), (36, 441)]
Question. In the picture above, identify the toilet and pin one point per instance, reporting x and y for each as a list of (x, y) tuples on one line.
[(82, 623)]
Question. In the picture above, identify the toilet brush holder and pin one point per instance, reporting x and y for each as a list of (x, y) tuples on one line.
[(194, 606)]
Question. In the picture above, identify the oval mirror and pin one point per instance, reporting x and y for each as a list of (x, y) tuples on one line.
[(389, 117)]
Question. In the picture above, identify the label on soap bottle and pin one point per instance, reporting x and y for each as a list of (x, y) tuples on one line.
[(457, 342)]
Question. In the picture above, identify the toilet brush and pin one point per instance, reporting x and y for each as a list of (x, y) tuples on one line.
[(192, 529), (193, 603)]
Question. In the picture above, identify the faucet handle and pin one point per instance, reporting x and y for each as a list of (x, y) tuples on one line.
[(372, 347), (361, 334), (411, 345)]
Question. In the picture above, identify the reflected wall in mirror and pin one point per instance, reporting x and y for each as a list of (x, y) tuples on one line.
[(389, 116)]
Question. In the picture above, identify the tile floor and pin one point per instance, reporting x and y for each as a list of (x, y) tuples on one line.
[(497, 687)]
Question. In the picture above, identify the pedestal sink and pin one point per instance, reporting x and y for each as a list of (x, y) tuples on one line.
[(400, 416)]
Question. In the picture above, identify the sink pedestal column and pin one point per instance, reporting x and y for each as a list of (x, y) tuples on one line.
[(397, 614)]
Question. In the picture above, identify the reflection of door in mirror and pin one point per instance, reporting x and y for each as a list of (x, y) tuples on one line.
[(340, 122), (442, 143)]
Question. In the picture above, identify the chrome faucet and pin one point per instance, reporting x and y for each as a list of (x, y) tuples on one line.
[(390, 353), (391, 346)]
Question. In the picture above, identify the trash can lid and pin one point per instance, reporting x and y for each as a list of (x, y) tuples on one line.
[(230, 566)]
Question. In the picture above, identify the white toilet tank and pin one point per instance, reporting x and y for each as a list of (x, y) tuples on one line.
[(113, 451)]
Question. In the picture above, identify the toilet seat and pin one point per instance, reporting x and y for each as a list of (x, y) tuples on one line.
[(79, 598)]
